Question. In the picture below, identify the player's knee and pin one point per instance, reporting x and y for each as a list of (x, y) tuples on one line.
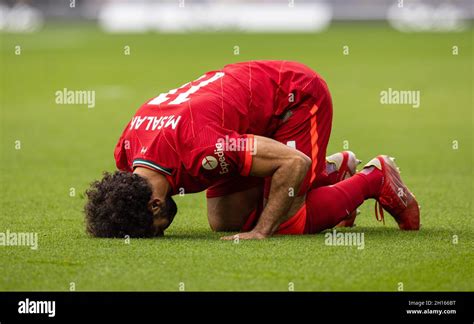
[(219, 223), (301, 163), (216, 227), (220, 226)]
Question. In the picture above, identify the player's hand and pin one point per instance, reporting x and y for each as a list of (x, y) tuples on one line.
[(252, 235)]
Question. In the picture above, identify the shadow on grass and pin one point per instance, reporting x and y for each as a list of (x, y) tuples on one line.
[(386, 231), (203, 234), (199, 235), (379, 231)]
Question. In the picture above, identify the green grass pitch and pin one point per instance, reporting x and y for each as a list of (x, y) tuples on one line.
[(67, 146)]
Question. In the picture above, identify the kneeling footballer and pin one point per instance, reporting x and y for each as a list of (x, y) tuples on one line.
[(254, 135)]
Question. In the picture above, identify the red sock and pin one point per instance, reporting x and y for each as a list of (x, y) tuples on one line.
[(328, 177), (332, 178), (327, 206)]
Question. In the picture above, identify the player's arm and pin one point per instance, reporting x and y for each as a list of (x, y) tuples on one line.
[(287, 168)]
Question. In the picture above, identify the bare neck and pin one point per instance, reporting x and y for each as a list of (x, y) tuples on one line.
[(159, 184)]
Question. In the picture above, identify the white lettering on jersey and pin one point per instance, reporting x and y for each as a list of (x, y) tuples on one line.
[(150, 120), (219, 152), (154, 122), (139, 122), (164, 96), (183, 97)]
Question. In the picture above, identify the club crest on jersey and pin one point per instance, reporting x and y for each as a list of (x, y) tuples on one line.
[(209, 162), (151, 123)]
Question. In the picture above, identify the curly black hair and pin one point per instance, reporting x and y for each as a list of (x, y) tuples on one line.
[(118, 205)]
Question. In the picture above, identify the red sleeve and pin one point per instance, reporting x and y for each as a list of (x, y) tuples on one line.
[(248, 155), (218, 152), (120, 155)]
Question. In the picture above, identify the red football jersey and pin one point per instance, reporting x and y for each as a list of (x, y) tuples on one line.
[(201, 132)]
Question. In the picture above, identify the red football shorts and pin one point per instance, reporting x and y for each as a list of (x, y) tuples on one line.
[(307, 128), (296, 225)]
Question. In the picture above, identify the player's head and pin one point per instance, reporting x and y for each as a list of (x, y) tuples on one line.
[(122, 204)]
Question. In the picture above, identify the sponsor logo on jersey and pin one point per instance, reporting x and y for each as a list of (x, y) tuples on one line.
[(152, 123), (219, 152), (209, 162)]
